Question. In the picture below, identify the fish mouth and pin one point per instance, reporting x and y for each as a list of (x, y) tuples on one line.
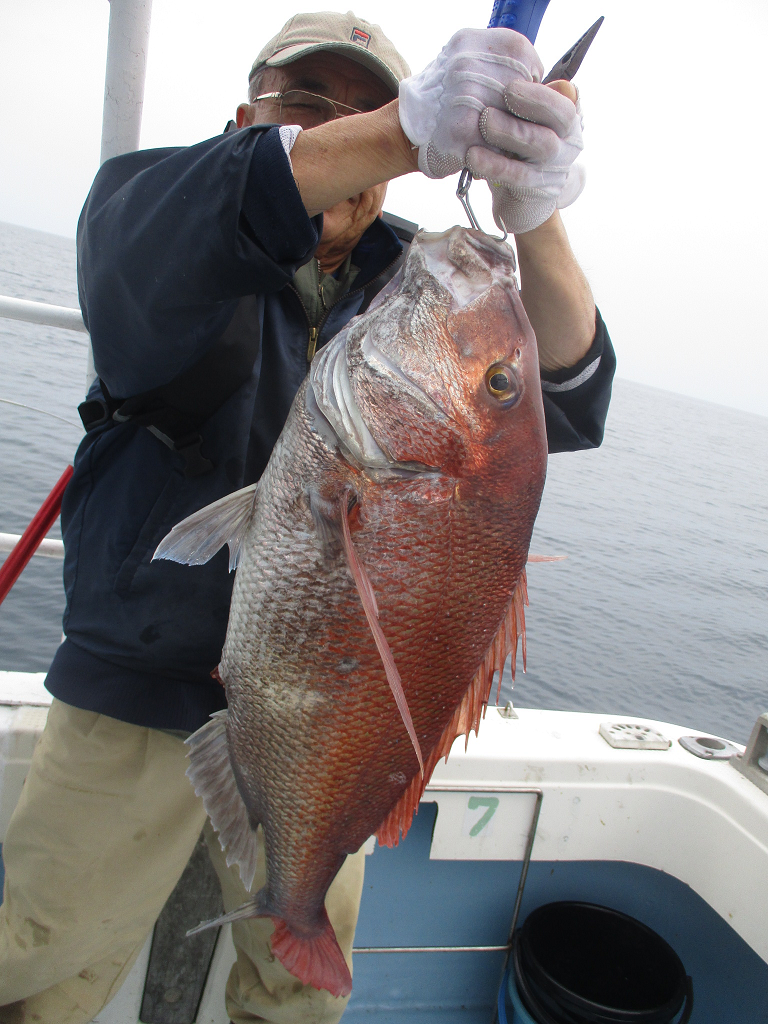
[(465, 265), (331, 395), (467, 262)]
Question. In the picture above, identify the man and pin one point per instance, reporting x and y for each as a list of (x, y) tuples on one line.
[(208, 277)]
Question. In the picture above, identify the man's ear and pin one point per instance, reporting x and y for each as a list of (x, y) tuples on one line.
[(245, 115)]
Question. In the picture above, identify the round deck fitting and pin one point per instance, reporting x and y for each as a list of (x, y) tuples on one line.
[(709, 747)]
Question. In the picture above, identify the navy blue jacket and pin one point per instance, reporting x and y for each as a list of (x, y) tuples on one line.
[(173, 245)]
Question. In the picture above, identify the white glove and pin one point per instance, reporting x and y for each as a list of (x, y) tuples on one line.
[(480, 105)]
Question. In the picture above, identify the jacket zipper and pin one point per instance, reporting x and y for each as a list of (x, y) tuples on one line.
[(314, 332), (312, 346)]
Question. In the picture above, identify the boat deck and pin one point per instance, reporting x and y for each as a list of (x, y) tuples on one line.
[(676, 840)]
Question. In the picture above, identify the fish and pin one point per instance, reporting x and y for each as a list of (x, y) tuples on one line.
[(380, 582)]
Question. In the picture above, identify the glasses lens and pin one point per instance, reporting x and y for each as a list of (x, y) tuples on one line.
[(305, 109)]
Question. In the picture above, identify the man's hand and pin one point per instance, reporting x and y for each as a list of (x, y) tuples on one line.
[(480, 105), (519, 208), (344, 224)]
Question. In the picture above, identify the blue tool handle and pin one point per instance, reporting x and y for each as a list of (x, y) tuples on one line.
[(524, 16)]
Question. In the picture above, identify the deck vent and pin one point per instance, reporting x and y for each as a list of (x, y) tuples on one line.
[(633, 736), (754, 761)]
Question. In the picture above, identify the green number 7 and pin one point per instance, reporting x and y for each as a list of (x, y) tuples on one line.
[(490, 803)]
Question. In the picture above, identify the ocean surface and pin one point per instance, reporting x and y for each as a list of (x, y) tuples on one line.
[(660, 608)]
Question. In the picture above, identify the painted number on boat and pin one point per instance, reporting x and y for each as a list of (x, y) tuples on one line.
[(487, 805), (480, 826)]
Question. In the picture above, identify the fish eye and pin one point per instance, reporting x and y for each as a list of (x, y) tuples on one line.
[(501, 382)]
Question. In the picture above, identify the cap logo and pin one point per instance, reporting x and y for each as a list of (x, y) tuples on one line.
[(360, 37)]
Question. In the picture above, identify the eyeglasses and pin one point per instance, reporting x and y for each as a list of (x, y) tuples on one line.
[(306, 108)]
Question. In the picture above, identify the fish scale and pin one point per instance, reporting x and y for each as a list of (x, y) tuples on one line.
[(380, 581)]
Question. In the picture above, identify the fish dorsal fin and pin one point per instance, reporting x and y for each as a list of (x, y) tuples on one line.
[(210, 772), (368, 598), (196, 539), (466, 717)]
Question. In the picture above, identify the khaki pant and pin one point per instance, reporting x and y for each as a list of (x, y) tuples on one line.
[(103, 830)]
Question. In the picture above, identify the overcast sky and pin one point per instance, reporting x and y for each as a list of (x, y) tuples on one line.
[(671, 229)]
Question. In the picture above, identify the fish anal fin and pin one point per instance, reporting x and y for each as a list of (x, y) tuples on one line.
[(316, 960), (251, 908), (196, 539), (210, 772), (466, 718)]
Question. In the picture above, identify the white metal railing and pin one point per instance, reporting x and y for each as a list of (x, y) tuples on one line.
[(127, 46), (48, 548), (121, 126), (129, 22), (42, 313)]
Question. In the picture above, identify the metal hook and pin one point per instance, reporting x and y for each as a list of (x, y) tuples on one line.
[(462, 194)]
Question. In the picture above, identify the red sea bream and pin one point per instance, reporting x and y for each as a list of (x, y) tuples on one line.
[(380, 581)]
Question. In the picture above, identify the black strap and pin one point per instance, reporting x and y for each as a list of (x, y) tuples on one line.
[(175, 411)]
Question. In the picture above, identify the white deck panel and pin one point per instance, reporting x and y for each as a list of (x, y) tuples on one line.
[(24, 688), (698, 820)]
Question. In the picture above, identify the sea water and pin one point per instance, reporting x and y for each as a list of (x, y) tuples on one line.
[(660, 608)]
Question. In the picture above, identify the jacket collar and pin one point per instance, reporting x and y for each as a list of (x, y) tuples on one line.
[(376, 250)]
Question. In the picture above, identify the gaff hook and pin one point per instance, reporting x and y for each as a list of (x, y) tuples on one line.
[(462, 194)]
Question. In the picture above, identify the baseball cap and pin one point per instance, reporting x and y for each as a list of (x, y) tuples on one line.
[(345, 34)]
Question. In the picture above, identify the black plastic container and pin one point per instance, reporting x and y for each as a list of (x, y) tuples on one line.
[(579, 963)]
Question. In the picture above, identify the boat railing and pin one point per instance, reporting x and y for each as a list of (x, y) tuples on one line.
[(129, 22), (48, 548), (42, 313), (127, 47), (20, 548)]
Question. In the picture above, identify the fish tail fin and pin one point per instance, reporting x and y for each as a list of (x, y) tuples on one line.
[(316, 960)]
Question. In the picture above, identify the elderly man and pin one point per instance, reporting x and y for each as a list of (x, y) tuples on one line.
[(208, 278)]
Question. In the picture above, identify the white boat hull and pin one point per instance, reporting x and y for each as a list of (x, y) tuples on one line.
[(652, 816)]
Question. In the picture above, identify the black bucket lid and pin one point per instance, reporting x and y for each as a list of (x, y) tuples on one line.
[(589, 964)]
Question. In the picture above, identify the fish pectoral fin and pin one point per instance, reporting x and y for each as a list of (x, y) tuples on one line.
[(210, 772), (368, 598), (196, 539)]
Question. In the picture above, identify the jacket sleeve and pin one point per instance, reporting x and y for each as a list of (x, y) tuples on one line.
[(576, 399), (169, 241)]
